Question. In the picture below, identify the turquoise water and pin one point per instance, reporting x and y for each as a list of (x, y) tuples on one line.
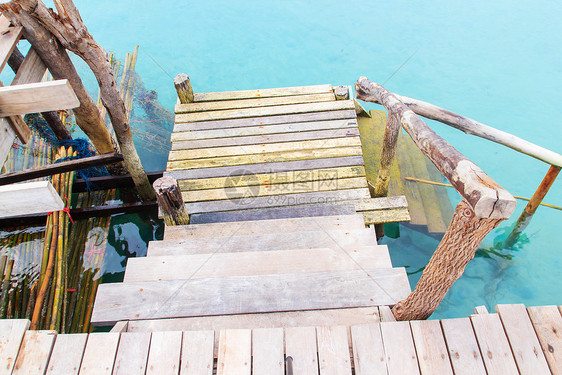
[(497, 62)]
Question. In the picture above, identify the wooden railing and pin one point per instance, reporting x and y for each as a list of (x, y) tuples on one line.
[(485, 204)]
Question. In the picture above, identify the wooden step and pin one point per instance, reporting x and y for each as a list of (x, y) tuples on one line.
[(263, 139), (253, 102), (263, 242), (274, 213), (249, 294), (290, 109), (247, 122), (197, 266), (339, 222), (264, 130), (262, 93)]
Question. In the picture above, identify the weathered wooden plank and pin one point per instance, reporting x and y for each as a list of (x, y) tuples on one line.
[(67, 354), (300, 345), (463, 348), (322, 197), (247, 294), (7, 139), (164, 353), (266, 168), (252, 103), (120, 327), (273, 213), (37, 97), (266, 120), (264, 139), (235, 352), (523, 339), (386, 314), (433, 357), (480, 309), (11, 336), (181, 267), (8, 40), (289, 109), (197, 352), (267, 190), (548, 326), (262, 93), (29, 198), (399, 348), (395, 215), (34, 352), (268, 351), (31, 70), (306, 318), (272, 157), (132, 353), (269, 241), (273, 178), (99, 354), (264, 132), (203, 153), (341, 222), (493, 344), (333, 350), (368, 350), (383, 203)]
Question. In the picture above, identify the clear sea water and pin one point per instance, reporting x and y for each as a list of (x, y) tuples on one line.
[(497, 62)]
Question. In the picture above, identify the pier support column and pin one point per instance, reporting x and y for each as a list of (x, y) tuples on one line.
[(184, 89), (170, 201)]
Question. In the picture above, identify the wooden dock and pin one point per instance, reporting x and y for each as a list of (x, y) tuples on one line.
[(515, 340)]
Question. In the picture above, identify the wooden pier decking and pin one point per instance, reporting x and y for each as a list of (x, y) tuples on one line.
[(513, 341)]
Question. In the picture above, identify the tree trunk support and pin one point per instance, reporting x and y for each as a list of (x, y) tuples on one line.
[(387, 155), (184, 89), (531, 207), (170, 201), (457, 248)]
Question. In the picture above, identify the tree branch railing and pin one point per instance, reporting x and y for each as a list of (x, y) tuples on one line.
[(485, 203)]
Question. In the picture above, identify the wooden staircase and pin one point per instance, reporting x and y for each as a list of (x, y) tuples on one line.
[(275, 186)]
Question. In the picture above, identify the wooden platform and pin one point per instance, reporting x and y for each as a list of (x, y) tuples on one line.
[(513, 341)]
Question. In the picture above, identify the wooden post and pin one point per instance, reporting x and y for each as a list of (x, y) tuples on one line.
[(388, 151), (341, 92), (170, 201), (531, 207), (457, 248), (184, 89)]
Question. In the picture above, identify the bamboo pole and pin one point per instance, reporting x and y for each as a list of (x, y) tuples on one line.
[(529, 211)]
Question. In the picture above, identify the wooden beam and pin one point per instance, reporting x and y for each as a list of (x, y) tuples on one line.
[(37, 97), (62, 167), (110, 182), (29, 198), (8, 40), (183, 87), (7, 137)]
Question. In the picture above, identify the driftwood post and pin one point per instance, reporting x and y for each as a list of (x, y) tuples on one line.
[(170, 201), (184, 89), (69, 29), (484, 206), (531, 207), (341, 93)]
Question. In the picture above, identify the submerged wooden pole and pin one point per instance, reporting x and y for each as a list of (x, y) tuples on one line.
[(170, 201), (184, 89), (387, 155), (531, 207), (457, 248)]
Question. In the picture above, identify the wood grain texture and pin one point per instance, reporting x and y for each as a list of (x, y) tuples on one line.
[(523, 339), (548, 327), (368, 350), (493, 344), (399, 348), (67, 354), (262, 93), (289, 109), (11, 336), (164, 353), (333, 350), (268, 351), (235, 352), (248, 294), (132, 353), (197, 266), (341, 222), (386, 216), (34, 352), (8, 40), (266, 120), (300, 344), (37, 97), (433, 357), (386, 314), (463, 348), (99, 354), (197, 352), (31, 70), (29, 198)]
